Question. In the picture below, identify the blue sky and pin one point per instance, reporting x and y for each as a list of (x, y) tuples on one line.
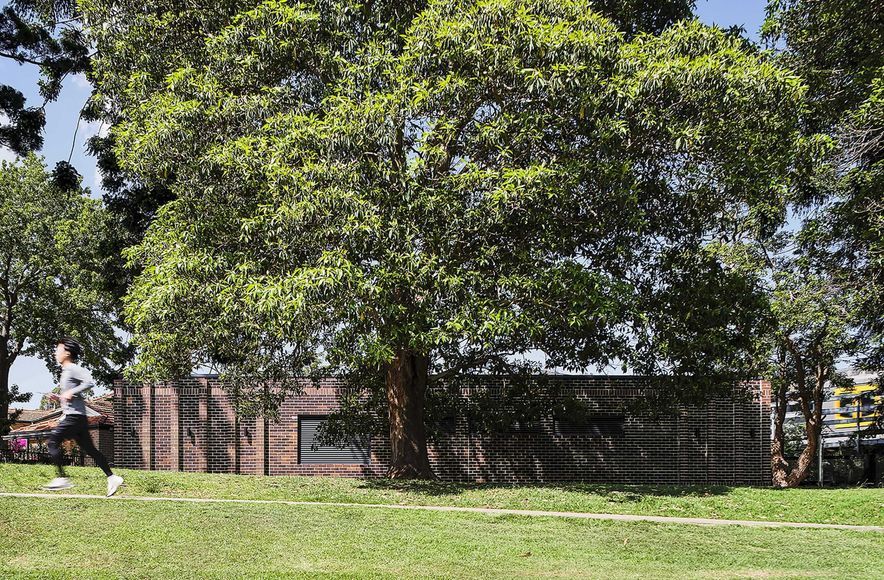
[(61, 123), (746, 13)]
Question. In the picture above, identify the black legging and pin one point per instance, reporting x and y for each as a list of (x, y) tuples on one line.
[(75, 427)]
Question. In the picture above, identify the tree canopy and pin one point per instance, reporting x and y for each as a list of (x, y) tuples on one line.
[(839, 48), (51, 259), (402, 190), (47, 35), (50, 35)]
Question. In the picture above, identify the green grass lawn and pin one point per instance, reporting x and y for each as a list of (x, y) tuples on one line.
[(93, 538), (74, 538), (841, 506)]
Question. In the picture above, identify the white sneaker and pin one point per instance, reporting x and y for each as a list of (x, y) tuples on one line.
[(58, 483), (113, 484)]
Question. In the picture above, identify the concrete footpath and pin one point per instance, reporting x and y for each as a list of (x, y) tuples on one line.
[(476, 510)]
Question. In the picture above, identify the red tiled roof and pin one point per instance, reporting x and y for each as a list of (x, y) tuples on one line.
[(103, 405), (45, 424), (29, 415), (48, 424)]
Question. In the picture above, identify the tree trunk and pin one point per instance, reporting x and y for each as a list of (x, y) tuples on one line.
[(406, 382), (4, 392), (778, 464), (784, 477), (799, 472)]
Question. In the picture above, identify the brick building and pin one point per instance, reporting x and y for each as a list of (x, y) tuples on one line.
[(190, 425)]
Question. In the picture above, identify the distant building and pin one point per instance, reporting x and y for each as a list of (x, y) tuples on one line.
[(24, 417), (852, 442), (27, 440)]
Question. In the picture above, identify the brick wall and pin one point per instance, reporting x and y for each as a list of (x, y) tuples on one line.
[(191, 426), (103, 439)]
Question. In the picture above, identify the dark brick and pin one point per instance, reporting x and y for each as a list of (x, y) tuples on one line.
[(191, 426)]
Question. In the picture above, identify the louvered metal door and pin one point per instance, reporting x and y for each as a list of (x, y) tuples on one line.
[(357, 452)]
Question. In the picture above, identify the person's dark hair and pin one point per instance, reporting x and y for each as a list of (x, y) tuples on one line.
[(74, 348)]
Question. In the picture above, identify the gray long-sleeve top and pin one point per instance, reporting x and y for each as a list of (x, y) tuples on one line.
[(75, 379)]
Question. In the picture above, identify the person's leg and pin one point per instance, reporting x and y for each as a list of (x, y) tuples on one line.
[(61, 432), (84, 440)]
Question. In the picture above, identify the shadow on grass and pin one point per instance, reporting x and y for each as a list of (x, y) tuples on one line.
[(614, 492)]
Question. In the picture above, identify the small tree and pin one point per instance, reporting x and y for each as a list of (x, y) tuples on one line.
[(832, 282), (50, 404), (50, 253), (816, 328), (813, 316)]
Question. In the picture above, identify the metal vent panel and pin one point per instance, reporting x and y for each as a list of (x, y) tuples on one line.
[(357, 452)]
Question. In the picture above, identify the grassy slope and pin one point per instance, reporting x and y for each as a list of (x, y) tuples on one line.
[(92, 538), (846, 506)]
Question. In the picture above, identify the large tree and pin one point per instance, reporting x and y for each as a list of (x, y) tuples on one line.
[(401, 191), (51, 257)]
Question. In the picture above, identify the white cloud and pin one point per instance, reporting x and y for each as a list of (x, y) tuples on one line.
[(94, 128), (7, 155), (96, 180), (81, 82)]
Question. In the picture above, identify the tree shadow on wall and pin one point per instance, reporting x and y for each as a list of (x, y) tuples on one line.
[(533, 457)]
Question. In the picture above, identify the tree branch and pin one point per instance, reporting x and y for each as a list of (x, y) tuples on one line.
[(801, 376), (20, 58), (468, 364)]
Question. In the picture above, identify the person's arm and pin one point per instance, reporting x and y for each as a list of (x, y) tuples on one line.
[(80, 381)]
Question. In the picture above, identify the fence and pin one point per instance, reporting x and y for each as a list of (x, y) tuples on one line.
[(10, 456)]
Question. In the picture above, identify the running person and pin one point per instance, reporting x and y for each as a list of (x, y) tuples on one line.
[(74, 424)]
